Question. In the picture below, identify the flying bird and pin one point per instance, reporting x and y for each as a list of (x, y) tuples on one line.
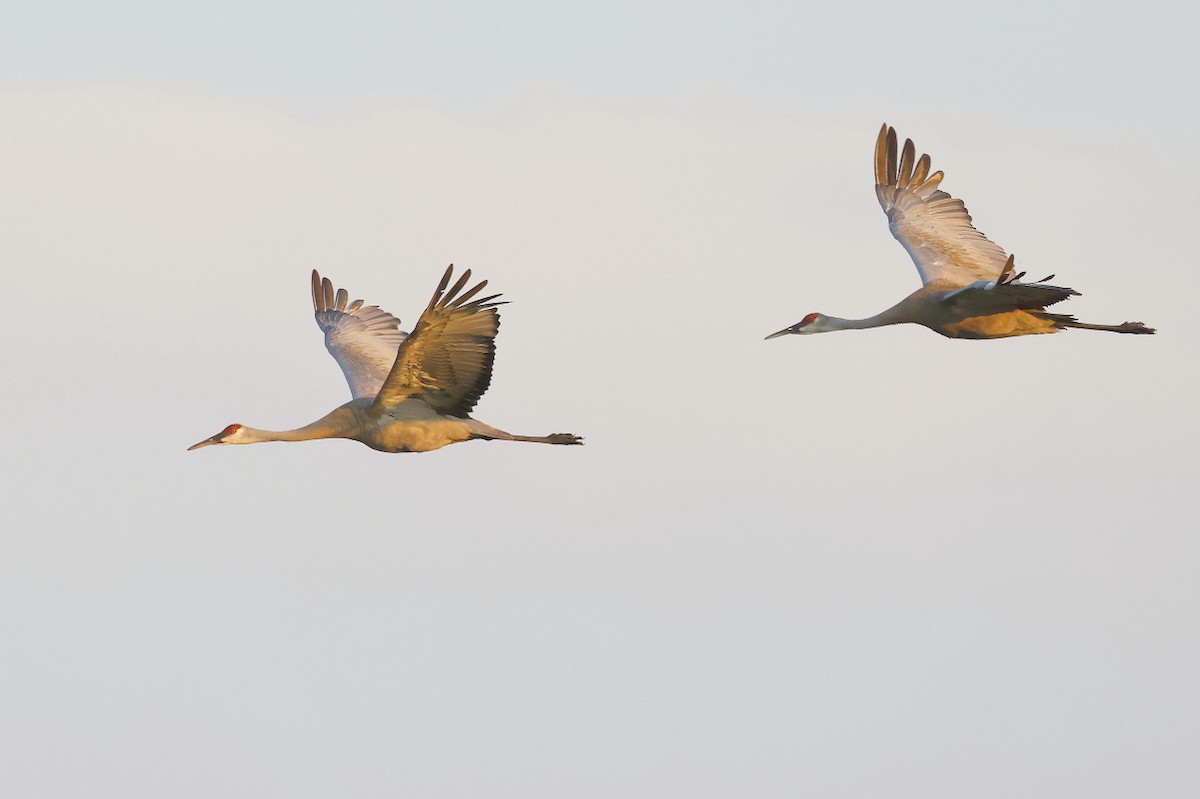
[(411, 392), (970, 289)]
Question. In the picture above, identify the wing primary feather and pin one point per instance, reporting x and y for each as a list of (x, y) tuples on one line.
[(921, 171), (458, 302), (907, 156), (316, 291), (881, 157), (462, 281), (327, 289), (483, 302), (891, 156), (445, 281), (342, 298), (930, 185)]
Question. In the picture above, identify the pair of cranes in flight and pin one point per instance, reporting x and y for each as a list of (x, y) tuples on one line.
[(413, 392)]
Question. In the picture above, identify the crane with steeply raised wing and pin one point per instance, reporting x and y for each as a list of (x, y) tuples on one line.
[(970, 289), (411, 392)]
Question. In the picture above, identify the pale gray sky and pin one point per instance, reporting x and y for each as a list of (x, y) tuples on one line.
[(868, 564)]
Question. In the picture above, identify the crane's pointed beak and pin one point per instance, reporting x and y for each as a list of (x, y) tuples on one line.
[(214, 440), (783, 332)]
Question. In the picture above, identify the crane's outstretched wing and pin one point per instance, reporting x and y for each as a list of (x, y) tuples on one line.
[(363, 339), (934, 227), (447, 360)]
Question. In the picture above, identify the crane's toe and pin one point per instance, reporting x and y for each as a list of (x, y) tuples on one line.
[(564, 438)]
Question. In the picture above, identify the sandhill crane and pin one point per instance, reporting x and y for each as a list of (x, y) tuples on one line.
[(969, 289), (412, 392)]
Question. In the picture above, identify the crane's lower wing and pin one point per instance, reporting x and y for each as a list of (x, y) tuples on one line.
[(363, 339), (932, 226), (447, 359), (984, 298)]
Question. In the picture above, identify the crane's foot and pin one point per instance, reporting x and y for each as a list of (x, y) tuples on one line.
[(564, 438), (1133, 327)]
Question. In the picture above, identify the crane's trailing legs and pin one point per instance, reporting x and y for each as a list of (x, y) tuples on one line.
[(1124, 327), (489, 433)]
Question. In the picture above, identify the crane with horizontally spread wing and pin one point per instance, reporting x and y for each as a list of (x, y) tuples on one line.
[(412, 392), (970, 289)]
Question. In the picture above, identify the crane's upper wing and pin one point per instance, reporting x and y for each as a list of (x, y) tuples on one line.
[(363, 339), (447, 360), (934, 227)]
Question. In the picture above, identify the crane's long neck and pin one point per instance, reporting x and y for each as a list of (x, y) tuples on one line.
[(338, 424), (896, 315), (252, 435)]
